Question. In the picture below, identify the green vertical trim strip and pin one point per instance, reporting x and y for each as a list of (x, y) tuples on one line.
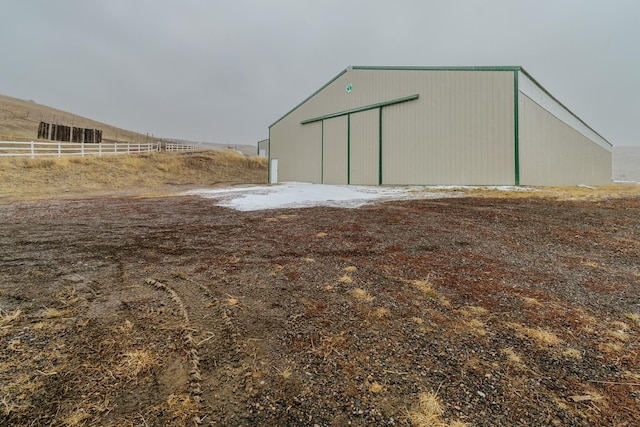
[(516, 125), (380, 146), (348, 149), (268, 158), (322, 154)]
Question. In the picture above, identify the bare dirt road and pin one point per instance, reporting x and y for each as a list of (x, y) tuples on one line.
[(174, 311)]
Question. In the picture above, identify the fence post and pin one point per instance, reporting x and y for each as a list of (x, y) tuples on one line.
[(100, 149), (33, 154), (82, 148), (59, 150)]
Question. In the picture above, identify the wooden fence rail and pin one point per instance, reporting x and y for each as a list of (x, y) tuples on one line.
[(38, 149)]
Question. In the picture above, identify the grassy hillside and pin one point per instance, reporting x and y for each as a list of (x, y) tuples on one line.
[(157, 173), (626, 163), (19, 120)]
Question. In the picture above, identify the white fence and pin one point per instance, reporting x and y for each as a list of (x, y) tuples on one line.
[(59, 149), (169, 146)]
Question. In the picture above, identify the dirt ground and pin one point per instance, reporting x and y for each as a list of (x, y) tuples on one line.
[(173, 311)]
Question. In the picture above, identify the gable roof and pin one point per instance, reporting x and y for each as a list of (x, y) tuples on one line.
[(513, 68)]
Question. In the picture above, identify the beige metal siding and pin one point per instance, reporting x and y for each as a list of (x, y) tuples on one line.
[(554, 153), (364, 148), (298, 150), (537, 94), (460, 131), (334, 144), (263, 148)]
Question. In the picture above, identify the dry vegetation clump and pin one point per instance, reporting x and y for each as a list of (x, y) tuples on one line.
[(156, 173), (429, 412), (361, 295), (569, 193), (7, 317), (543, 337), (426, 287)]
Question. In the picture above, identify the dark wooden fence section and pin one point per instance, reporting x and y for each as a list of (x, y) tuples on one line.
[(68, 133)]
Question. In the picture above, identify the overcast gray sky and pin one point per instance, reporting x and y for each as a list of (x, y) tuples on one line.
[(223, 71)]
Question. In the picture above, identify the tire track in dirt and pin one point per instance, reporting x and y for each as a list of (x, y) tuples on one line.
[(193, 357), (216, 367)]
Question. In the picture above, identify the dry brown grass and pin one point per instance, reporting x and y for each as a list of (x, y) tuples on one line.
[(380, 313), (376, 388), (361, 295), (7, 317), (426, 287), (135, 362), (544, 338), (345, 279), (572, 353), (232, 302), (20, 120), (429, 412), (148, 174), (635, 317), (604, 192)]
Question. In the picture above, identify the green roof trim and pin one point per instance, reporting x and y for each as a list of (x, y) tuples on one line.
[(562, 105), (450, 68), (311, 96), (360, 109), (400, 68)]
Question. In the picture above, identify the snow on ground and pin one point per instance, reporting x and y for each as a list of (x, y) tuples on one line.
[(303, 195)]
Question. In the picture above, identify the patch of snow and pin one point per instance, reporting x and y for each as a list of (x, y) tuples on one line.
[(303, 195)]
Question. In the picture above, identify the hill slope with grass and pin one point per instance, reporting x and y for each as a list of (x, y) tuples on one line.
[(157, 173), (626, 163), (19, 120)]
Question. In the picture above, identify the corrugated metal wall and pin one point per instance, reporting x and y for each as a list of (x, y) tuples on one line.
[(298, 150), (364, 147), (459, 131), (263, 148), (554, 153), (334, 144)]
